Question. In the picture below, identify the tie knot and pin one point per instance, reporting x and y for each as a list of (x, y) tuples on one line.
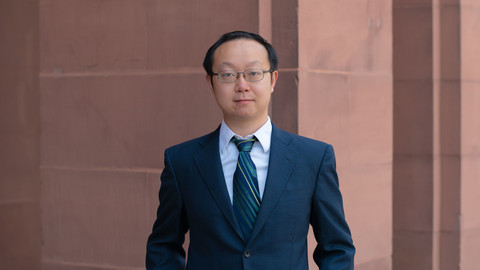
[(244, 145)]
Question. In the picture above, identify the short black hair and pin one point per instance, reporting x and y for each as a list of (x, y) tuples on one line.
[(272, 55)]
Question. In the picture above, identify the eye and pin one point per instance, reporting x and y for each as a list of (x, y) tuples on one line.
[(227, 74), (254, 73)]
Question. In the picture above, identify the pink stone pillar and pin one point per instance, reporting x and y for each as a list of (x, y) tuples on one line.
[(335, 85), (20, 244), (435, 159), (469, 134)]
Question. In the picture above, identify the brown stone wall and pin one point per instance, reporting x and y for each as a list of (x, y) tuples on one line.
[(335, 85), (435, 158), (285, 38), (345, 98), (413, 174), (470, 133), (119, 82), (19, 136), (92, 91)]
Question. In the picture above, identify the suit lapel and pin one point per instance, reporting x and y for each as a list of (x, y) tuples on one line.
[(210, 168), (281, 163)]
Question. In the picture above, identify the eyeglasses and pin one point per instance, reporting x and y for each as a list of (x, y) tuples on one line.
[(250, 75)]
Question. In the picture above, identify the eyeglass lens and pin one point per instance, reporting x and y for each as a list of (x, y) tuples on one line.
[(250, 75)]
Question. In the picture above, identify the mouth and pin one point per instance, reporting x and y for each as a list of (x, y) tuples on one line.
[(243, 101)]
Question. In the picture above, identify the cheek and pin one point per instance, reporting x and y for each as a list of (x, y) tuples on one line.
[(266, 93), (221, 97)]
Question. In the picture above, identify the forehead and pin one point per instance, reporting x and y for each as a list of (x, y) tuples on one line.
[(241, 53)]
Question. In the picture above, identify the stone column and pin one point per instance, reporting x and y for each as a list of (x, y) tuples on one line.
[(335, 85), (435, 158), (469, 133), (19, 136)]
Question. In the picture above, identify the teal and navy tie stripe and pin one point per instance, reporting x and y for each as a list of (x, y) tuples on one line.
[(246, 198)]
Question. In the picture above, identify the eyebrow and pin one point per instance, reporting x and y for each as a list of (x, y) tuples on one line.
[(255, 62)]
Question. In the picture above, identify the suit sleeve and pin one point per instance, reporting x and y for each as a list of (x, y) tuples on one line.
[(335, 250), (164, 246)]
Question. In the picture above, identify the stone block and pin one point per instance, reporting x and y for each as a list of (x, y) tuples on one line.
[(79, 266), (361, 43), (450, 42), (377, 264), (153, 186), (370, 120), (469, 40), (285, 34), (20, 234), (92, 35), (369, 214), (413, 117), (470, 244), (470, 193), (413, 193), (412, 3), (94, 217), (351, 112), (323, 108), (450, 193), (122, 121), (180, 32), (450, 118), (413, 43), (470, 123), (284, 101), (449, 246), (412, 250)]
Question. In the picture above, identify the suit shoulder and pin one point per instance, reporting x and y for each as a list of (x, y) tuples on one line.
[(303, 141), (309, 151), (190, 144)]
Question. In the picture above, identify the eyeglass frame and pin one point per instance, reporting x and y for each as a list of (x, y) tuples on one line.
[(243, 72)]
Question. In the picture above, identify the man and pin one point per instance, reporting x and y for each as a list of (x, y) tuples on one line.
[(248, 207)]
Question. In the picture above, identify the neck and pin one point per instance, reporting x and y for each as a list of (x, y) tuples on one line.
[(245, 128)]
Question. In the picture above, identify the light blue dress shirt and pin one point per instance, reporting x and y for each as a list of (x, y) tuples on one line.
[(260, 154)]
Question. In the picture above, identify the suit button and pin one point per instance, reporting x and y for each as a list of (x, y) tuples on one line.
[(247, 254)]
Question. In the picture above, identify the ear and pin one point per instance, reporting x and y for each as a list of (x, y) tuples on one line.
[(209, 81), (274, 80)]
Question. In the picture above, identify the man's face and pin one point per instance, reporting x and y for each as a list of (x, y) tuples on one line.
[(242, 101)]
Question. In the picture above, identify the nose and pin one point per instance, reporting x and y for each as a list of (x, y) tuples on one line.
[(241, 84)]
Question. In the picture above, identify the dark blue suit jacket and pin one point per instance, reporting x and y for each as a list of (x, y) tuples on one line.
[(301, 189)]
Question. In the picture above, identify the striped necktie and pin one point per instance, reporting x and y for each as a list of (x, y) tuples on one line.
[(246, 198)]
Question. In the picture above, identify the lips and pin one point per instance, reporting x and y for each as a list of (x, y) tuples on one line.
[(240, 101)]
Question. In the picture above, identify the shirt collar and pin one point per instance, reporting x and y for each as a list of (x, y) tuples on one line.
[(263, 134)]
